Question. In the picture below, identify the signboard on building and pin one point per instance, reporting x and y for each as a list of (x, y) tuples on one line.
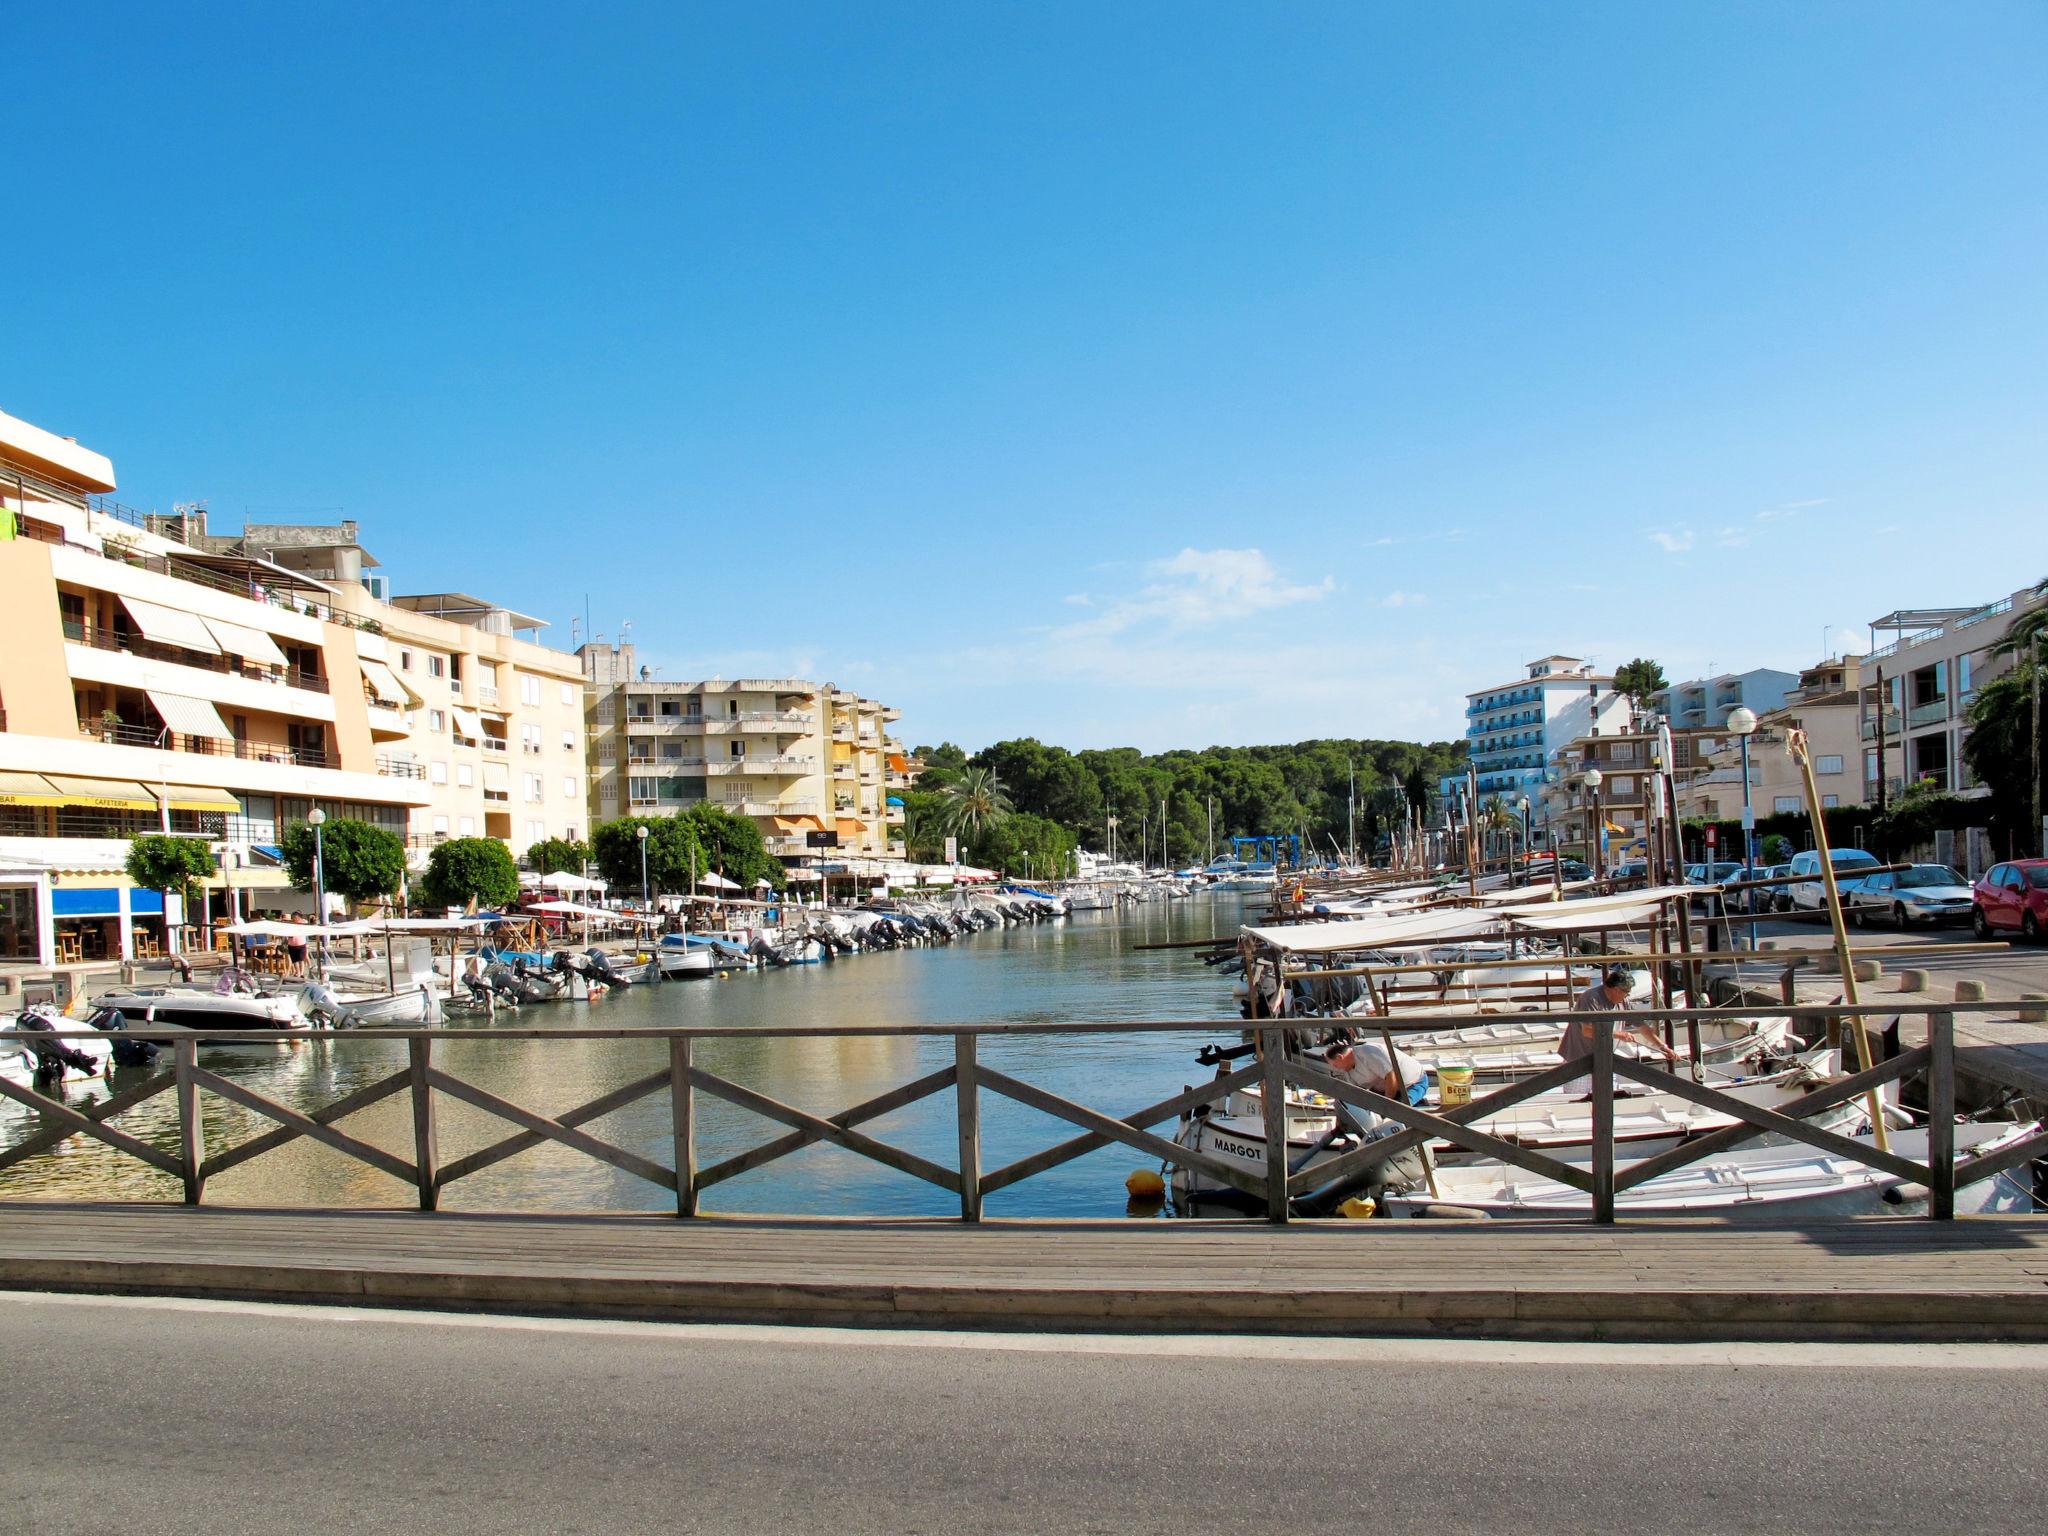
[(821, 839)]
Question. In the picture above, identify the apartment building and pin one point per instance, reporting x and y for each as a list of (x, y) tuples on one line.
[(149, 685), (1514, 732), (492, 718), (1926, 679), (1826, 703), (1628, 762), (815, 766), (1703, 703)]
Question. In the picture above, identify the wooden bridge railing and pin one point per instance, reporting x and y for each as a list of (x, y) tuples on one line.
[(1273, 1070)]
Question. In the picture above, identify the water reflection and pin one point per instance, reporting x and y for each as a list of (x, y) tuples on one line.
[(1087, 967)]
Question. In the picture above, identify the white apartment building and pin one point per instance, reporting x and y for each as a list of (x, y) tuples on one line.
[(813, 765), (1928, 676), (1514, 732), (1702, 703)]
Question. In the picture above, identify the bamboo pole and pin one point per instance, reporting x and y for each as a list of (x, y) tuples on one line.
[(1795, 743)]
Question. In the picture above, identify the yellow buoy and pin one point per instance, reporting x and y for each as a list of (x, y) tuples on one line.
[(1358, 1209), (1145, 1184)]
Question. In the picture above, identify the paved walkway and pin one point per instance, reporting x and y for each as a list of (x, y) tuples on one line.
[(1874, 1278)]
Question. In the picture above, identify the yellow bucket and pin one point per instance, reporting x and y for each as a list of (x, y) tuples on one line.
[(1454, 1085)]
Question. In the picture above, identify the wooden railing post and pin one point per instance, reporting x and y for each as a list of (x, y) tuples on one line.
[(425, 1143), (967, 1100), (683, 1113), (1603, 1121), (1941, 1115), (1273, 1101), (191, 1137)]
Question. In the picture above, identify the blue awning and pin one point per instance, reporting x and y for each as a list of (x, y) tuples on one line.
[(894, 801), (270, 851), (103, 901)]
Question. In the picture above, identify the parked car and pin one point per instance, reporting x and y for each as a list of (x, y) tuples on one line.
[(1921, 893), (1711, 874), (1809, 892), (1633, 869), (1773, 898), (2011, 898)]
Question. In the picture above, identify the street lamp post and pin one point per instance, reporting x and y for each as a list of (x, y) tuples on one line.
[(316, 819), (1742, 721), (1527, 848), (640, 832), (1599, 839)]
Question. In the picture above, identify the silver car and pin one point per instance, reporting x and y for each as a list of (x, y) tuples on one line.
[(1920, 893)]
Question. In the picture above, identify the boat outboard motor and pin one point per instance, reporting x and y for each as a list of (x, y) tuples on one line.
[(481, 994), (599, 964), (52, 1056), (125, 1052)]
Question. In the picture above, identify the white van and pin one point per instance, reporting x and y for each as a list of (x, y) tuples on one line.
[(1809, 893)]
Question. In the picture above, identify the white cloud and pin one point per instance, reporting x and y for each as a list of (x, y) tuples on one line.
[(1381, 542), (1404, 600), (1203, 586), (1672, 542), (1731, 538), (1790, 508), (1078, 600)]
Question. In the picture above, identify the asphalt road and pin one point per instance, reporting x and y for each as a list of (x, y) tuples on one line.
[(2007, 973), (173, 1417)]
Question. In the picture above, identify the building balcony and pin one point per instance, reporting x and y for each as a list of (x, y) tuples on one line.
[(780, 722), (400, 768), (487, 696), (776, 767), (775, 807), (206, 746), (99, 638), (1934, 712)]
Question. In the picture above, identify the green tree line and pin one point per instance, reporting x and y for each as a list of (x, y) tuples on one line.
[(1251, 791)]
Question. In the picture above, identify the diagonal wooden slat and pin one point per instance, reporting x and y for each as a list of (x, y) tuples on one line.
[(521, 1141), (1979, 1168), (1509, 1152), (1806, 1106), (1771, 1120), (554, 1130), (1151, 1115), (65, 1115), (782, 1146), (327, 1114), (825, 1130), (1115, 1130), (304, 1125), (119, 1104), (1348, 1163)]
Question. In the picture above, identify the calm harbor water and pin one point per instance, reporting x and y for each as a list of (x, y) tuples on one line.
[(1085, 967)]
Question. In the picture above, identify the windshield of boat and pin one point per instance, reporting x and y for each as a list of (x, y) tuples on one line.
[(1921, 876)]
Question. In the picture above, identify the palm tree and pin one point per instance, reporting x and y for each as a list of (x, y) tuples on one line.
[(974, 801)]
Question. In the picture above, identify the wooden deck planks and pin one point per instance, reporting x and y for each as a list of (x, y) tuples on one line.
[(1981, 1277)]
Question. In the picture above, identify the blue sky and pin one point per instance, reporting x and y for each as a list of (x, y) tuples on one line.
[(1147, 375)]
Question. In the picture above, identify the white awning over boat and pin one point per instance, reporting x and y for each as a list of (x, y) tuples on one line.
[(189, 716), (466, 720), (384, 684), (1388, 932), (170, 626), (1631, 909), (249, 644)]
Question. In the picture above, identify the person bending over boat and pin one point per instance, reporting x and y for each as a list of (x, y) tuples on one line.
[(1366, 1065), (1607, 995)]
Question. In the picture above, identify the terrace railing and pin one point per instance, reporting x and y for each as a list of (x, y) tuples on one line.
[(681, 1081)]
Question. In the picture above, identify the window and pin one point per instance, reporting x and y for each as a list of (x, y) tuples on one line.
[(570, 788), (568, 741), (440, 826), (529, 738), (436, 667), (1828, 802), (1622, 784), (1785, 803), (535, 788), (644, 790), (465, 774), (736, 749), (437, 772), (436, 721), (405, 661), (568, 693), (1827, 765), (465, 826), (529, 691), (570, 832)]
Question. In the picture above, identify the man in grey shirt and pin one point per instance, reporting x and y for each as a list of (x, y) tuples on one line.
[(1607, 995)]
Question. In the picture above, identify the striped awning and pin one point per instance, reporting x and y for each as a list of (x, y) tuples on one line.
[(29, 789), (171, 626), (189, 716), (192, 797), (497, 776), (466, 720), (106, 794), (249, 644), (385, 685)]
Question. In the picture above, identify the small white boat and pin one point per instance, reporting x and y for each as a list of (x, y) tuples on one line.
[(1744, 1184), (215, 1011)]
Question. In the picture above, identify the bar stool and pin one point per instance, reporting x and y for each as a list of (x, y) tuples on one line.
[(68, 950)]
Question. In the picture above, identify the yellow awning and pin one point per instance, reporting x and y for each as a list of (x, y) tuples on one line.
[(799, 823), (842, 752), (188, 797), (850, 826), (107, 794), (28, 789)]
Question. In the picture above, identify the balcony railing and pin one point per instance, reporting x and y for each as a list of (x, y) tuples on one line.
[(487, 696), (100, 638), (400, 768), (204, 746), (758, 719), (494, 744), (1933, 712)]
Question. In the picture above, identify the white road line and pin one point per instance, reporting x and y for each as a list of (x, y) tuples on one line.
[(1971, 1357)]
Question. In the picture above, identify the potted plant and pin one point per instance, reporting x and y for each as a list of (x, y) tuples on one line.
[(110, 722)]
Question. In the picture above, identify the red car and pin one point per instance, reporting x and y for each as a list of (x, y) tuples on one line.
[(2011, 896)]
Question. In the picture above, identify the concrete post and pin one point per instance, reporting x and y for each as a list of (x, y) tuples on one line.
[(1969, 991), (1912, 981)]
